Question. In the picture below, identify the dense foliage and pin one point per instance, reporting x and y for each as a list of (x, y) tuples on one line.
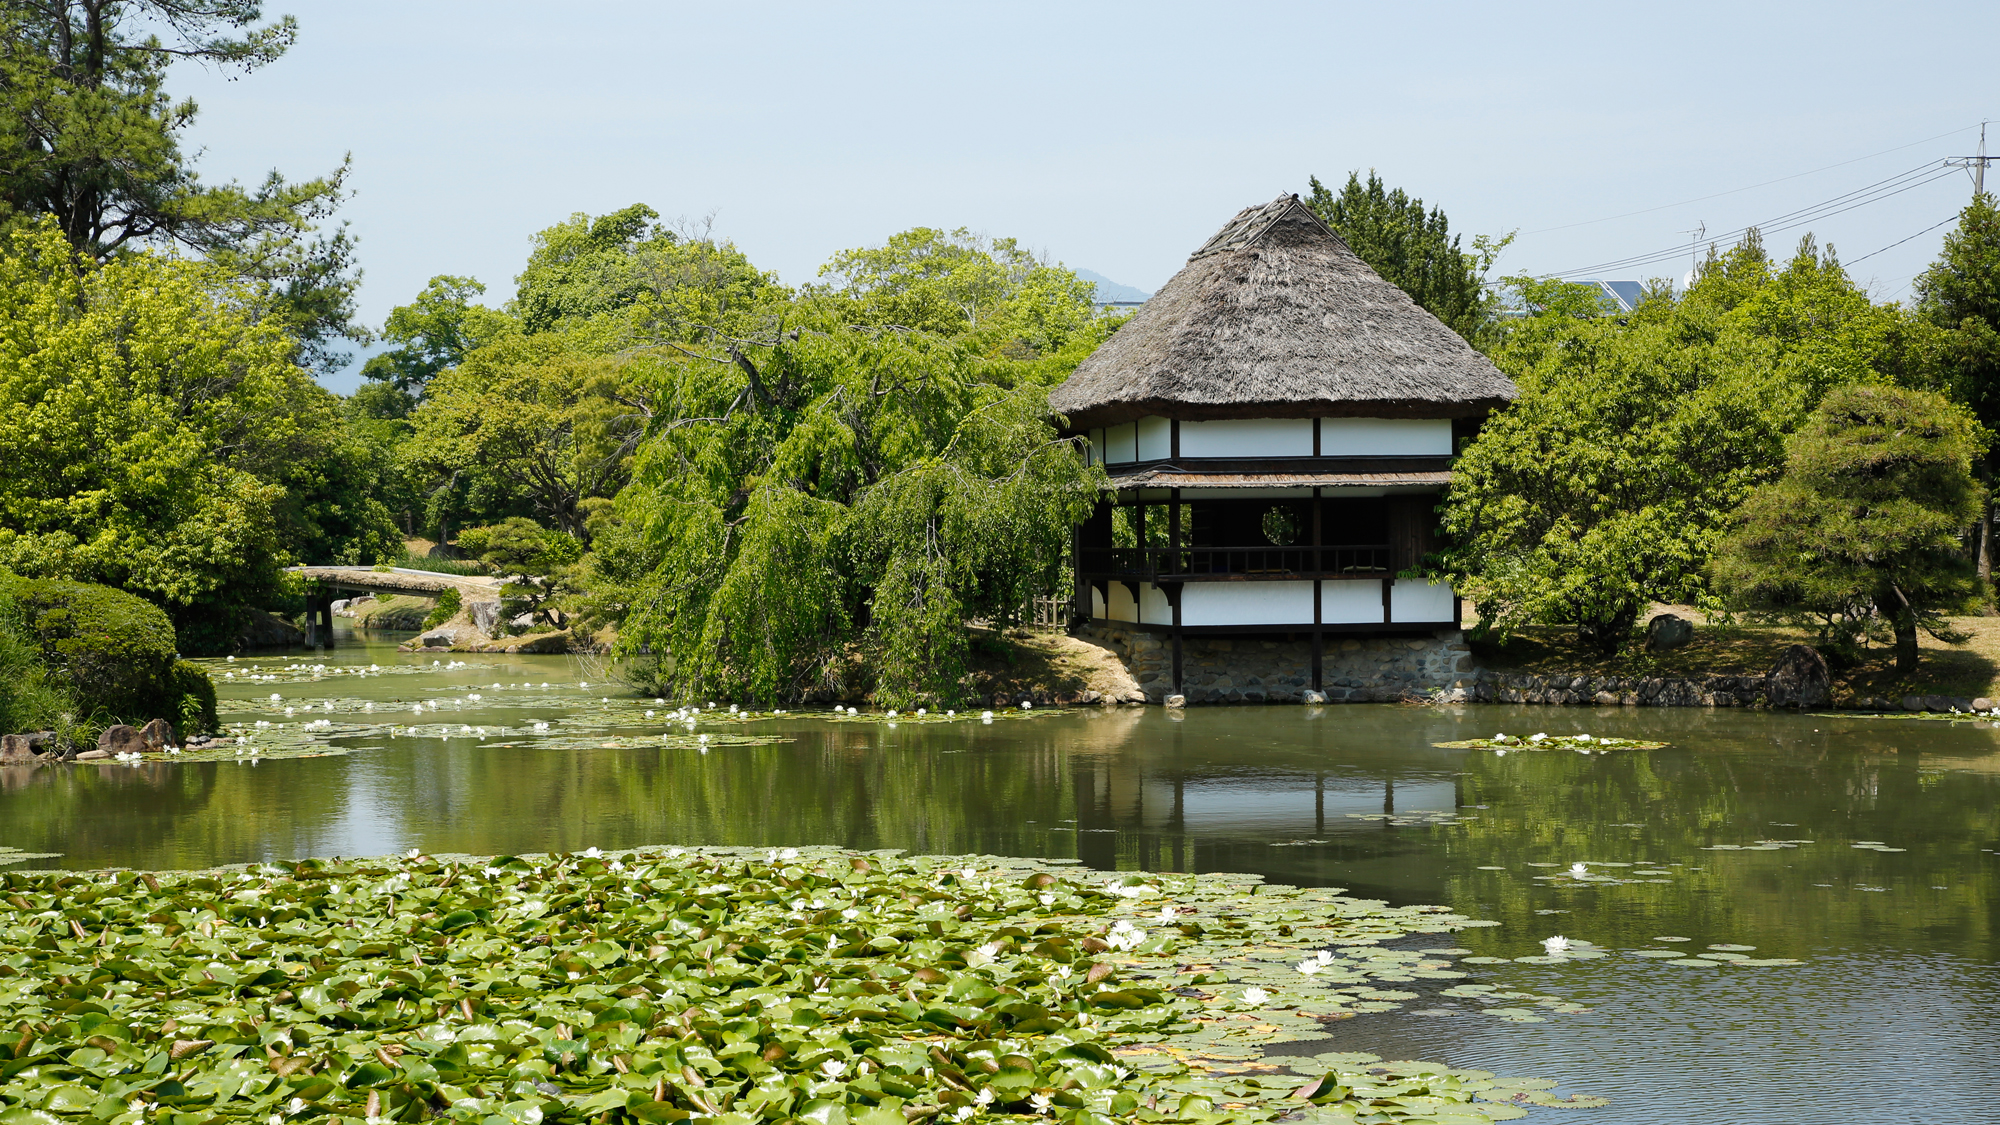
[(110, 655), (1606, 486), (164, 441), (90, 138), (1415, 250), (1865, 525), (661, 986)]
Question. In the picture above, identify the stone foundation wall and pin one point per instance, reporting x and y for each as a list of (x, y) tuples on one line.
[(1255, 670), (1393, 669)]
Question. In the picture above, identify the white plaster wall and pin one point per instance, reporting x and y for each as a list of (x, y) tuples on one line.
[(1351, 603), (1248, 437), (1153, 607), (1385, 437), (1156, 439), (1096, 605), (1246, 603), (1118, 445), (1414, 599), (1121, 607)]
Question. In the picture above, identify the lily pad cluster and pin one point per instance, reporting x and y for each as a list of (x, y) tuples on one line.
[(1583, 743), (661, 986)]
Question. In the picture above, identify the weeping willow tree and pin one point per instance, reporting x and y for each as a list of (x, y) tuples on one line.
[(825, 496)]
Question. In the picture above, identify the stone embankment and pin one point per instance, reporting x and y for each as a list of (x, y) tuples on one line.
[(1798, 679), (1251, 670)]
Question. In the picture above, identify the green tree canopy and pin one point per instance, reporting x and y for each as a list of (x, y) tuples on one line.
[(862, 469), (959, 284), (1606, 485), (164, 440), (1865, 524), (1960, 293), (90, 137), (1414, 250)]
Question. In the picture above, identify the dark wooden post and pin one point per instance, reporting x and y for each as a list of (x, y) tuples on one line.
[(1319, 568)]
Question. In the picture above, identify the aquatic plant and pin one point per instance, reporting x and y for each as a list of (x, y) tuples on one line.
[(660, 986)]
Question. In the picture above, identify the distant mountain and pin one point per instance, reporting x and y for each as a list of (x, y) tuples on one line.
[(1109, 290)]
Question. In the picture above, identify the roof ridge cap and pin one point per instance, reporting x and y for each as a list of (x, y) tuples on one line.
[(1252, 223)]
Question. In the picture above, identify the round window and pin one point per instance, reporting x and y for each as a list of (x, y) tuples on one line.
[(1281, 526)]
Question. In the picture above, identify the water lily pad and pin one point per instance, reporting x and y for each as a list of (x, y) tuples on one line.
[(1673, 939), (1733, 948), (1693, 962)]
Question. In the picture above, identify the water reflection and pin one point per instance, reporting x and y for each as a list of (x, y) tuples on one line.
[(1901, 946)]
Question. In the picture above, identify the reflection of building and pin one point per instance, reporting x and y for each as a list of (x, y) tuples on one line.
[(1278, 423)]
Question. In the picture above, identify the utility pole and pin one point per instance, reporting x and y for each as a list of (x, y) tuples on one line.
[(1976, 163)]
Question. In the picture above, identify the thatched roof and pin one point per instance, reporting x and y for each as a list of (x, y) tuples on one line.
[(1276, 317)]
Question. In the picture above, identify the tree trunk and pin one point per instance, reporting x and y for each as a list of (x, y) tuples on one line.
[(1986, 546), (1895, 608)]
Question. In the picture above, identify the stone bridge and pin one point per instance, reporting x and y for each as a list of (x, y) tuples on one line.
[(394, 580)]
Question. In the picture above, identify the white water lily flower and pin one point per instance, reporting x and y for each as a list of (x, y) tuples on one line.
[(788, 853), (986, 714), (475, 697), (833, 1068), (1538, 738), (1555, 945), (275, 698), (1064, 971), (1578, 870), (985, 1096), (1046, 899), (1027, 706), (850, 914), (1041, 1102), (1166, 914), (1255, 996), (592, 852)]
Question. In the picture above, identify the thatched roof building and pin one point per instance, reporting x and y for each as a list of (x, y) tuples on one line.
[(1276, 318)]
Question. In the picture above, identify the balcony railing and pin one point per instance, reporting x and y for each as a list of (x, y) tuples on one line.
[(1247, 562)]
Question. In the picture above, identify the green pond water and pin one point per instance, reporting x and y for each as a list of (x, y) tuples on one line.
[(1889, 1016)]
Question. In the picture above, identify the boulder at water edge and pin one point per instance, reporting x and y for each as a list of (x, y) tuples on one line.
[(16, 748), (159, 734), (1667, 632), (121, 739), (1799, 679)]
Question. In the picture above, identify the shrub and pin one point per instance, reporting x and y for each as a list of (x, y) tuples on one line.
[(113, 651), (30, 697), (195, 712), (448, 605)]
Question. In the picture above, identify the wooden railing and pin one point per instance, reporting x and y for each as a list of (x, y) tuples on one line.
[(1249, 562)]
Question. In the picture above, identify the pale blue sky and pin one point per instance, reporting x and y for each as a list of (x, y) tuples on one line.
[(1113, 137)]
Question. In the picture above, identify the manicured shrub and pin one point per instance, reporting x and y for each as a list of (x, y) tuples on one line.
[(112, 651)]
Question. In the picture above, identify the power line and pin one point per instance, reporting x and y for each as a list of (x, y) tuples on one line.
[(1752, 187), (1899, 242), (1840, 204)]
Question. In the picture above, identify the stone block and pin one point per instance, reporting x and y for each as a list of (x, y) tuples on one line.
[(120, 739), (1982, 704), (1176, 701)]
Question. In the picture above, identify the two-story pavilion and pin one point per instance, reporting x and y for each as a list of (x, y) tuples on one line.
[(1278, 423)]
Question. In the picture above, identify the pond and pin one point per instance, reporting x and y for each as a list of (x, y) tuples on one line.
[(1740, 833)]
